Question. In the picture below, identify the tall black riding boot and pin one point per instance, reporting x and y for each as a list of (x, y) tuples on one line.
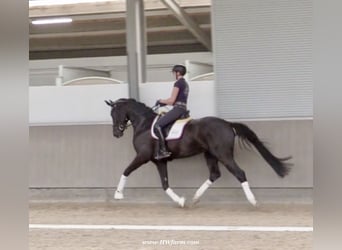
[(162, 151)]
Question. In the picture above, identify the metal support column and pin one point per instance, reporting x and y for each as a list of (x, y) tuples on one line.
[(188, 22), (136, 45)]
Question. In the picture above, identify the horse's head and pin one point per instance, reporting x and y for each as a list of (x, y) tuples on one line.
[(119, 116)]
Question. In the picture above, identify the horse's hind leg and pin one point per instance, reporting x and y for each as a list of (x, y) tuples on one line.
[(232, 166), (215, 173), (162, 169)]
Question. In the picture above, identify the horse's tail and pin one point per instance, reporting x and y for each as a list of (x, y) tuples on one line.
[(278, 164)]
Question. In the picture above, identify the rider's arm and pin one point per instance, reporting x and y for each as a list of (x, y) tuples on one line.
[(171, 100)]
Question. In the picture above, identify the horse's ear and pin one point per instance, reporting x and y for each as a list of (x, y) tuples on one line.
[(109, 103)]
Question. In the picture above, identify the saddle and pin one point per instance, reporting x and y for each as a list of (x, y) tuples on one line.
[(174, 130)]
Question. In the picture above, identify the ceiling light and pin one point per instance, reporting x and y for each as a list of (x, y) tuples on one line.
[(51, 21)]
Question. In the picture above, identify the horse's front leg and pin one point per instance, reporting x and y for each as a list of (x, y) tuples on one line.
[(162, 169), (136, 163)]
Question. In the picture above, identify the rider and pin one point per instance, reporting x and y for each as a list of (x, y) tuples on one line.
[(178, 100)]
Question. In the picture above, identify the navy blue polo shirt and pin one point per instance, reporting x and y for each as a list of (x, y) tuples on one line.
[(183, 93)]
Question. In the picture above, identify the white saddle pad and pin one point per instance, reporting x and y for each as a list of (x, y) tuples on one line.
[(176, 130)]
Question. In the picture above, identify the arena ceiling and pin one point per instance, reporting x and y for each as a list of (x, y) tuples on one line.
[(98, 28)]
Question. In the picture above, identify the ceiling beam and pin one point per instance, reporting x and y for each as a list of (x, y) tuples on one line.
[(103, 8), (98, 33), (111, 14), (172, 48), (188, 22), (109, 45)]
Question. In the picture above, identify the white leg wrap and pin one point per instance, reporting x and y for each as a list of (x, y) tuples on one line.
[(175, 197), (119, 191), (122, 183), (202, 189), (248, 193)]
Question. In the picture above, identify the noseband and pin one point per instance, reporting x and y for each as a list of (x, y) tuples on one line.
[(123, 126)]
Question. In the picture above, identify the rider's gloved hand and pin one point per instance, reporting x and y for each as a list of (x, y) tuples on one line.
[(158, 103)]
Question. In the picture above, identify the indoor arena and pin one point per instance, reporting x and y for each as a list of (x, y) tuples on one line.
[(246, 187)]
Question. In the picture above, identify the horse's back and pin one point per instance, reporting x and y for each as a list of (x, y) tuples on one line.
[(210, 121), (210, 126)]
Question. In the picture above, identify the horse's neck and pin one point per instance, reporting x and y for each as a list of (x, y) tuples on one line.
[(141, 120)]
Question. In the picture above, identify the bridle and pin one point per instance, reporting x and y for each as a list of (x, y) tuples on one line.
[(123, 126)]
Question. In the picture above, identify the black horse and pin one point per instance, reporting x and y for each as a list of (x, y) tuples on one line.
[(209, 135)]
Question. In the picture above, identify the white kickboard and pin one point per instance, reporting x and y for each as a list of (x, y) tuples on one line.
[(176, 130)]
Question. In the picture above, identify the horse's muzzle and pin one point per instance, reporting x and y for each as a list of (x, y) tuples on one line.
[(117, 133)]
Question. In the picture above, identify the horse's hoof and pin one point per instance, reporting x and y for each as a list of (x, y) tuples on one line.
[(254, 203), (195, 201), (118, 195), (181, 201)]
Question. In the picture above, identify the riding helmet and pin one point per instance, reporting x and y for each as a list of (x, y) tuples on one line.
[(179, 68)]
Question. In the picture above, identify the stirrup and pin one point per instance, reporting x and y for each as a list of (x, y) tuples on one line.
[(162, 155)]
